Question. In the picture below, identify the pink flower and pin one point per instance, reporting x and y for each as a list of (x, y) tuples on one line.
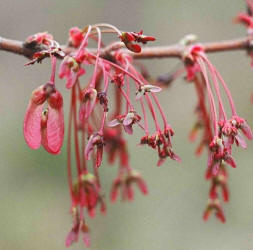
[(91, 195), (46, 126), (75, 37), (192, 70), (214, 206), (78, 226), (40, 38), (127, 121), (241, 124), (161, 142), (219, 181), (125, 183), (142, 90), (71, 70), (95, 141), (128, 38), (140, 38), (245, 19), (218, 154), (88, 101), (115, 145)]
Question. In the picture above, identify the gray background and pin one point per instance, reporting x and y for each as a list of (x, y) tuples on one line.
[(33, 184)]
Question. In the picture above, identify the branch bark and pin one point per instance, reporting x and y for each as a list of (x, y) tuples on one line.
[(17, 47)]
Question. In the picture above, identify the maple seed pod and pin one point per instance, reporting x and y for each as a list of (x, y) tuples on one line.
[(39, 95), (55, 100)]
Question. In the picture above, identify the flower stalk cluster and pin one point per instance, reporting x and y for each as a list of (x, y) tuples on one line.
[(220, 132), (104, 108), (97, 119)]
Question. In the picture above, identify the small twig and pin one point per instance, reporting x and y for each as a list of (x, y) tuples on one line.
[(148, 52)]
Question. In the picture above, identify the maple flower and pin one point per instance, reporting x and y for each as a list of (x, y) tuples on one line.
[(219, 154), (46, 126), (40, 38), (95, 141), (127, 121), (78, 226), (128, 38), (75, 37), (219, 181), (45, 45), (70, 67), (87, 194), (142, 90), (115, 145), (230, 130), (124, 182), (140, 38), (88, 101), (71, 70), (162, 142), (214, 206)]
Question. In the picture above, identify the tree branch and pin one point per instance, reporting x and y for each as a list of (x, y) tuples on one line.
[(18, 47)]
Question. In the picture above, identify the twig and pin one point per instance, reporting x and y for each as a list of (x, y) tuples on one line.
[(17, 47)]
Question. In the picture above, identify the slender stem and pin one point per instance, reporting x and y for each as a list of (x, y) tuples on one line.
[(95, 170), (230, 99), (106, 25), (201, 95), (153, 95), (145, 117), (78, 161), (127, 99), (102, 124), (124, 71), (83, 44), (82, 125), (69, 150), (216, 85), (53, 62), (210, 95), (128, 91), (109, 31), (93, 81), (160, 109), (151, 108), (106, 78)]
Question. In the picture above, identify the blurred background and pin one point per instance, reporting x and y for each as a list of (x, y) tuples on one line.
[(34, 207)]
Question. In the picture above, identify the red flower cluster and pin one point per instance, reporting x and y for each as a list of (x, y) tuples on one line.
[(247, 20), (220, 133), (97, 120), (130, 39), (95, 130)]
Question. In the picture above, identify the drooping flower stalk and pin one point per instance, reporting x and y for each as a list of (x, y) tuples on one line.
[(94, 128), (98, 118), (247, 20), (222, 133)]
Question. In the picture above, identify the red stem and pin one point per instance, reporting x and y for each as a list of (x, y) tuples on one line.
[(78, 161), (210, 95), (216, 85), (69, 151), (53, 63)]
